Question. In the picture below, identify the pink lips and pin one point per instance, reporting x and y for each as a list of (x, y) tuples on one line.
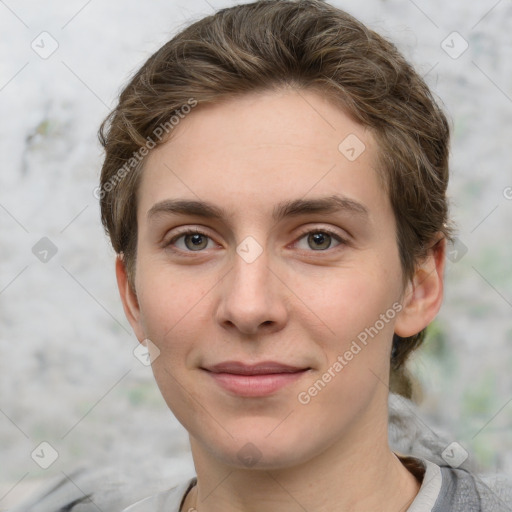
[(255, 380)]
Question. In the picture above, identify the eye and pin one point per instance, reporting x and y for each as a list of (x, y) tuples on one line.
[(320, 239), (193, 241)]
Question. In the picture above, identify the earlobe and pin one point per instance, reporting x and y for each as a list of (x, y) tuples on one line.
[(128, 298), (424, 294)]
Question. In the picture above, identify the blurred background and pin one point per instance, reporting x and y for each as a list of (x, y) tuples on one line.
[(68, 374)]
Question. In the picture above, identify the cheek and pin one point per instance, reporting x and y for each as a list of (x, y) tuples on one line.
[(360, 307), (169, 302), (170, 310), (354, 300), (361, 310)]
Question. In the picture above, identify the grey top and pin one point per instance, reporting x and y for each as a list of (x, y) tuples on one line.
[(443, 489)]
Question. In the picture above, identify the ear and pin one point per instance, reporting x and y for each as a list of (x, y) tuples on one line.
[(129, 298), (424, 294)]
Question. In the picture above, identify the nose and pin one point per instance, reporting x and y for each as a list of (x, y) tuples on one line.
[(253, 298)]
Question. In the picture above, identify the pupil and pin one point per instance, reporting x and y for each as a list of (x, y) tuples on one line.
[(318, 238), (196, 239)]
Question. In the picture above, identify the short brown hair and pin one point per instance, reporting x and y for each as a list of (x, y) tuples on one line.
[(302, 44)]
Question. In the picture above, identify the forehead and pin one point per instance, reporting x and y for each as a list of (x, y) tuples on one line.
[(259, 149)]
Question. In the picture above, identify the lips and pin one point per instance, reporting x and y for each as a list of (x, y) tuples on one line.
[(264, 368), (254, 380)]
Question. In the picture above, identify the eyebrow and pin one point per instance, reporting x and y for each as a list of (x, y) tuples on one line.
[(291, 208)]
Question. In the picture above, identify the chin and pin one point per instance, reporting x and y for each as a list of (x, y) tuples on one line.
[(262, 446)]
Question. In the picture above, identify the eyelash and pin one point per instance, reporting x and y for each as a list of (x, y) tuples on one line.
[(326, 231)]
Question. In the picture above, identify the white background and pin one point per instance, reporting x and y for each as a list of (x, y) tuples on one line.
[(67, 372)]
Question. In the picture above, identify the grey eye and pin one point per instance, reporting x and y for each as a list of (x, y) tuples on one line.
[(319, 240), (197, 241)]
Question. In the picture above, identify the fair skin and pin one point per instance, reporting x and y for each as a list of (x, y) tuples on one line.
[(301, 302)]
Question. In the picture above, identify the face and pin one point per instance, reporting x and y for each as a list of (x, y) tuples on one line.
[(268, 277)]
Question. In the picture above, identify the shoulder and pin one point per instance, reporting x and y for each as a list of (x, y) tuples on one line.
[(166, 501), (448, 489), (108, 488), (462, 487), (469, 491), (462, 490)]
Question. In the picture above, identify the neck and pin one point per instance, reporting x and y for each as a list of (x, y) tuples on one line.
[(358, 473)]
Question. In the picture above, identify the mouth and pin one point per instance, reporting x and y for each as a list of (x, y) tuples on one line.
[(254, 380)]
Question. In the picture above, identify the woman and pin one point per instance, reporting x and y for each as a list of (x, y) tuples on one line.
[(274, 186), (285, 249)]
